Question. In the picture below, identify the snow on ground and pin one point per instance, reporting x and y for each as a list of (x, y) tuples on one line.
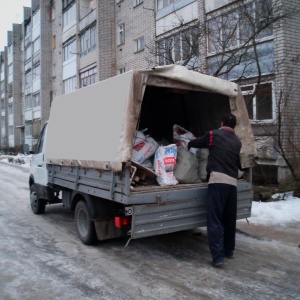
[(19, 159), (285, 208)]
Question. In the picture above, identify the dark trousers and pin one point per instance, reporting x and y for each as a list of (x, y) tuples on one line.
[(221, 219)]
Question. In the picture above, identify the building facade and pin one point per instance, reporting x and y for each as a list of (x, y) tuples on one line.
[(64, 45)]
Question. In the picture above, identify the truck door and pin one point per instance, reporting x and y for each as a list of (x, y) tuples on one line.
[(38, 164)]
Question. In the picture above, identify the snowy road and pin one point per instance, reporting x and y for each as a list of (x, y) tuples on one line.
[(41, 258)]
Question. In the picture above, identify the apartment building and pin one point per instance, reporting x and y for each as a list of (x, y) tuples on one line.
[(69, 44), (3, 121), (13, 87), (37, 57)]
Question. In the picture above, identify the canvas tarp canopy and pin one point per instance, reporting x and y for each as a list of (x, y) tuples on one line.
[(94, 127)]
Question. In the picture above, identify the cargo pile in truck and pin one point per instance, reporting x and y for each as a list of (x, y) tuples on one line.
[(172, 163)]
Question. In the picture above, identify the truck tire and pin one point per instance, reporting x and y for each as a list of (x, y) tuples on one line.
[(37, 205), (84, 226)]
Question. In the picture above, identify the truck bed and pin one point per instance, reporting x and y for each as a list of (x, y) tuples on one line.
[(156, 209)]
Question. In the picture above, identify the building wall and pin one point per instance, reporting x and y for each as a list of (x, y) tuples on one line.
[(287, 52), (16, 85), (46, 60), (56, 46), (106, 38), (3, 77), (139, 21)]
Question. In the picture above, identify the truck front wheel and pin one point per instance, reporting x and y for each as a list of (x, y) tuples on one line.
[(37, 205), (85, 227)]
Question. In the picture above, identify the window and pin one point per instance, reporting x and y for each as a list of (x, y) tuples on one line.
[(28, 79), (234, 29), (2, 105), (28, 102), (137, 2), (69, 50), (121, 34), (28, 128), (2, 86), (11, 130), (263, 14), (139, 44), (182, 46), (10, 69), (9, 49), (122, 70), (223, 32), (28, 28), (3, 122), (163, 3), (69, 15), (70, 85), (10, 109), (28, 53), (36, 45), (88, 77), (36, 72), (67, 3), (36, 100), (261, 106), (36, 18), (88, 40)]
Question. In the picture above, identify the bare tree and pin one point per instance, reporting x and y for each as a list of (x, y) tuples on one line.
[(181, 47)]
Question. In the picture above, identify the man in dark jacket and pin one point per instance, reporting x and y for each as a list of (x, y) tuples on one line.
[(222, 168)]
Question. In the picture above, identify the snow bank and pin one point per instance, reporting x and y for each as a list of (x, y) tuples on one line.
[(19, 159), (279, 212)]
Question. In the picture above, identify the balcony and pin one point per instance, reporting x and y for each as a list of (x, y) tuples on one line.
[(88, 19), (27, 40), (10, 59), (28, 89), (28, 65), (28, 115), (36, 57)]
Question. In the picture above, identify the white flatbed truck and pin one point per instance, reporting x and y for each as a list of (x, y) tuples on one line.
[(83, 155)]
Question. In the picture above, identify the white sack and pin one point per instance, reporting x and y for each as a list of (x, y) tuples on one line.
[(139, 137), (164, 164), (182, 137), (144, 150), (186, 170)]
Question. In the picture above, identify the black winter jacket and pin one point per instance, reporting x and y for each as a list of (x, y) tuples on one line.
[(224, 150)]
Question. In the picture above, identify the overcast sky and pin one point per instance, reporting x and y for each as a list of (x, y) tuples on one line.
[(10, 12)]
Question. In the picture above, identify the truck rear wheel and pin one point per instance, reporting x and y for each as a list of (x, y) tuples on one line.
[(37, 205), (85, 227)]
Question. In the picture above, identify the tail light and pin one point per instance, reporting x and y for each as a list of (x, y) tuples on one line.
[(122, 221)]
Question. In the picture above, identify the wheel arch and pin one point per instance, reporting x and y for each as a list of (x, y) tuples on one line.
[(99, 208), (31, 180)]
